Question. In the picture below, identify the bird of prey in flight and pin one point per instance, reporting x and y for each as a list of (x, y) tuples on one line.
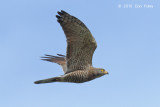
[(77, 64)]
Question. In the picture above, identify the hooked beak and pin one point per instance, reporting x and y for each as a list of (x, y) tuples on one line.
[(105, 72)]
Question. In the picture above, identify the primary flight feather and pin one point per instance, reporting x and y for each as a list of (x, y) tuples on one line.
[(77, 64)]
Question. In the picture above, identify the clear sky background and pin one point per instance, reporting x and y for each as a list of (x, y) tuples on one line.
[(128, 48)]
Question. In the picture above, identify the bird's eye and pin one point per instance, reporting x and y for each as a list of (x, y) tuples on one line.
[(102, 70)]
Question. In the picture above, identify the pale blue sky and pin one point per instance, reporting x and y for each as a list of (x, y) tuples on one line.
[(128, 48)]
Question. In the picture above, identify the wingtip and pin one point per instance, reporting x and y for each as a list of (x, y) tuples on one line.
[(58, 17), (60, 13), (64, 11)]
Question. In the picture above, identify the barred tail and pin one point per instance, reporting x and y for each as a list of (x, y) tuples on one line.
[(49, 80)]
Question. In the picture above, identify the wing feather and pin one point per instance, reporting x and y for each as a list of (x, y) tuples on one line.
[(80, 42), (60, 59)]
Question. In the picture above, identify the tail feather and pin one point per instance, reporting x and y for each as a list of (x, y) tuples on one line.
[(49, 80)]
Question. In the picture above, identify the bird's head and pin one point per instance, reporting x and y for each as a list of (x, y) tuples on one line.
[(101, 71)]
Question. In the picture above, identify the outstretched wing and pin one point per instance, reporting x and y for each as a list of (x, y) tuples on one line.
[(60, 59), (80, 42)]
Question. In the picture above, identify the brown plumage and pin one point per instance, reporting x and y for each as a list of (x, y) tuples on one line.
[(77, 64)]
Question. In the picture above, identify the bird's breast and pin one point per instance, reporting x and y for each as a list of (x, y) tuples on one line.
[(79, 76)]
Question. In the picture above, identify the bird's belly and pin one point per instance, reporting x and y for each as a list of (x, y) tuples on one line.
[(77, 77)]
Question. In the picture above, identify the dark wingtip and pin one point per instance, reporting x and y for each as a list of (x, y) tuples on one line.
[(58, 17), (62, 11)]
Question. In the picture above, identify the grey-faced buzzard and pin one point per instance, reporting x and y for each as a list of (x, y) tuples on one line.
[(77, 64)]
